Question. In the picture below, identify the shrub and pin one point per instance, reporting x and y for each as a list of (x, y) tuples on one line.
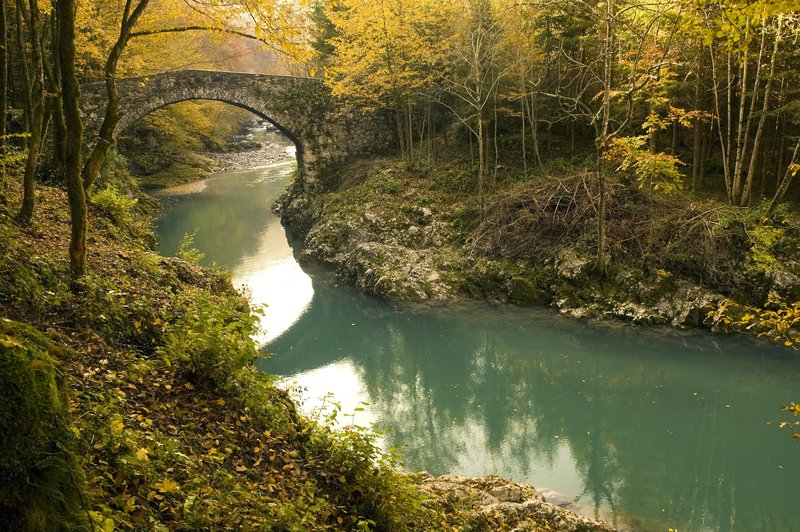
[(213, 337), (113, 204)]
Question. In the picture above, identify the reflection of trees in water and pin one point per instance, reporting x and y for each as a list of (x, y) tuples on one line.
[(228, 218), (659, 429)]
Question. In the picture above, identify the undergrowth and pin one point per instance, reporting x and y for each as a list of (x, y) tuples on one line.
[(169, 424)]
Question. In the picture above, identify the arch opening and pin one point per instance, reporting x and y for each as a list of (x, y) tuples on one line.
[(174, 142)]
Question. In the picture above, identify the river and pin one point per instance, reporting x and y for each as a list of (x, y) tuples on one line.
[(648, 428)]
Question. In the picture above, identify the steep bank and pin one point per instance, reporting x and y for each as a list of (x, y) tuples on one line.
[(168, 423), (420, 235)]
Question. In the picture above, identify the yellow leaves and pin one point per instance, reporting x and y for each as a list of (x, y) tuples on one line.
[(116, 426), (385, 50), (167, 485), (142, 454)]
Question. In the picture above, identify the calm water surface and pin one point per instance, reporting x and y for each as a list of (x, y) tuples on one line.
[(649, 428)]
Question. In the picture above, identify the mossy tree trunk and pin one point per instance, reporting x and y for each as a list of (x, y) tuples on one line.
[(105, 139), (73, 138), (3, 101), (35, 104)]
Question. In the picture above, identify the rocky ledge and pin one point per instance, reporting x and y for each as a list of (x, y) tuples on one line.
[(393, 249), (498, 504)]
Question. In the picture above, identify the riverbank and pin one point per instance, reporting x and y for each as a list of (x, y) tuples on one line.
[(419, 234), (163, 417)]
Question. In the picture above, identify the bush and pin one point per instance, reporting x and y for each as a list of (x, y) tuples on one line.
[(214, 338), (113, 204), (38, 476)]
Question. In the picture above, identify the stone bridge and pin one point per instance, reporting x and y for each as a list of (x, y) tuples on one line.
[(325, 132)]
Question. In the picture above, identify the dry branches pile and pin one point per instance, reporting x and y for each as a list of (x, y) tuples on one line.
[(706, 241)]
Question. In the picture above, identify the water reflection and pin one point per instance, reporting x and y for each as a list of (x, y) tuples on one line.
[(665, 429), (234, 227)]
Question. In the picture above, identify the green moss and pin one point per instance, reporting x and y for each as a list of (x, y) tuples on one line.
[(38, 476)]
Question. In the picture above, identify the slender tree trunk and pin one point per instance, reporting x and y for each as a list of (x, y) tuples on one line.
[(741, 128), (707, 139), (534, 120), (481, 161), (3, 101), (27, 97), (401, 137), (496, 149), (601, 260), (724, 139), (70, 98), (779, 156), (748, 186), (25, 215), (56, 113), (523, 114), (105, 138), (697, 123), (410, 133), (786, 181)]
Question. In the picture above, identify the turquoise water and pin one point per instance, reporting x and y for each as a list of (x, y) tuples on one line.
[(649, 428)]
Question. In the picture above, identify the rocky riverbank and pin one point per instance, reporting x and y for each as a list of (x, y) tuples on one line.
[(247, 152), (401, 237), (504, 505)]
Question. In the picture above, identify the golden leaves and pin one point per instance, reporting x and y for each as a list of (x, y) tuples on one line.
[(167, 485), (117, 426)]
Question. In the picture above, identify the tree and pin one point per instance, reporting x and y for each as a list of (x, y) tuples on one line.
[(743, 33), (73, 140), (33, 80), (3, 100), (605, 76), (385, 56), (478, 69)]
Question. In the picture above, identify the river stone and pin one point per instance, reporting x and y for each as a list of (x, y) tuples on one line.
[(785, 283), (570, 265), (502, 504)]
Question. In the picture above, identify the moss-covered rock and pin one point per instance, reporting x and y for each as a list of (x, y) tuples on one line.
[(39, 480)]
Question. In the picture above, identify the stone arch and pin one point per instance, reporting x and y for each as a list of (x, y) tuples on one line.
[(134, 115), (325, 132)]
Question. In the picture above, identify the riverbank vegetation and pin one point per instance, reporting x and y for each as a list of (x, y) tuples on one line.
[(657, 137), (591, 155), (130, 399), (144, 399)]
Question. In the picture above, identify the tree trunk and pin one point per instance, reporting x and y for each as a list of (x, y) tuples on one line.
[(106, 136), (785, 182), (36, 114), (481, 161), (748, 186), (70, 98), (601, 260), (3, 102), (58, 156)]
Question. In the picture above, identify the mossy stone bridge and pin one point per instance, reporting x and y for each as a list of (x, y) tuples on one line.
[(325, 132)]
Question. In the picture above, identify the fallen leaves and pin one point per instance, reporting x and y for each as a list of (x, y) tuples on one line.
[(167, 485)]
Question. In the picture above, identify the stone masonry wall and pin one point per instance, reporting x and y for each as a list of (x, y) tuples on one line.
[(326, 133)]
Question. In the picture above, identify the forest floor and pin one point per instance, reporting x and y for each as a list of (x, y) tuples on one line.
[(171, 426)]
